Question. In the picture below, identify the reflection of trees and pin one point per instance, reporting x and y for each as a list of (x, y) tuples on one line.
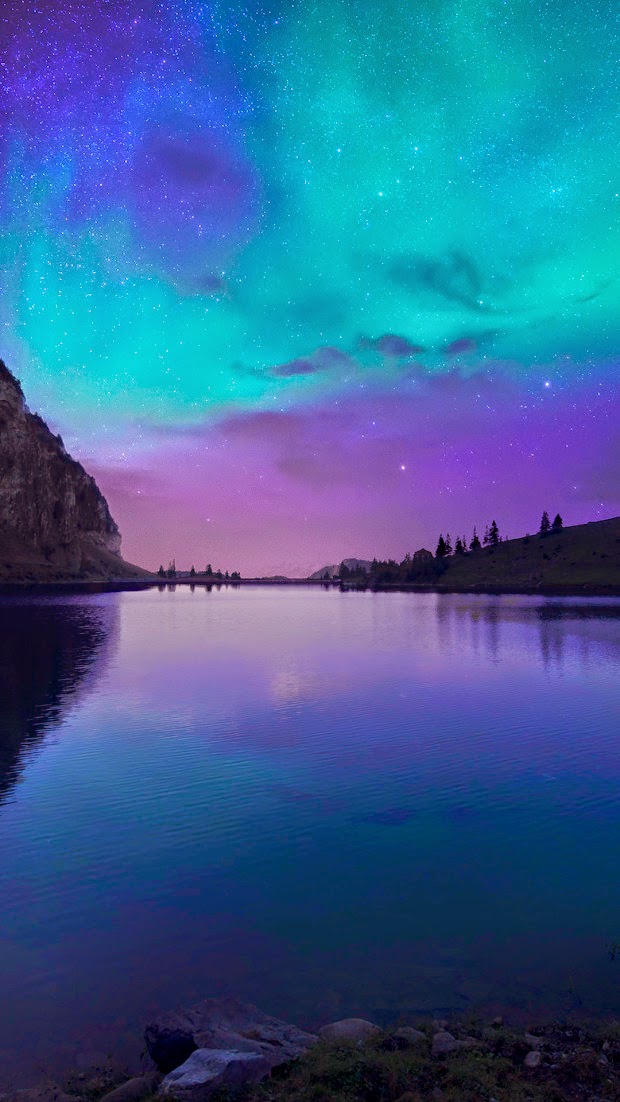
[(49, 652), (481, 622)]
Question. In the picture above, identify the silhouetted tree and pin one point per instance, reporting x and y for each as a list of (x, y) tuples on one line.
[(558, 523), (475, 542), (235, 576), (448, 544), (494, 537), (172, 569), (545, 523), (209, 571), (486, 538), (192, 572), (161, 572), (226, 575), (442, 548), (459, 547)]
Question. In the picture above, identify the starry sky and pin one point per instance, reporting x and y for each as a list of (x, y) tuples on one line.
[(305, 280)]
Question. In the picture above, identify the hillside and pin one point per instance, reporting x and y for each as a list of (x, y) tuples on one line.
[(582, 557), (585, 555), (55, 524)]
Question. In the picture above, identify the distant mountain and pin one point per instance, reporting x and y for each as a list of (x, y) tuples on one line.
[(333, 571), (55, 524)]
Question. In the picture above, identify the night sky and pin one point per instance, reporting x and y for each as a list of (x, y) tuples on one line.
[(298, 281)]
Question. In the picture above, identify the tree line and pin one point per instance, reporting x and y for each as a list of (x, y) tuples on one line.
[(432, 565), (491, 537), (209, 572)]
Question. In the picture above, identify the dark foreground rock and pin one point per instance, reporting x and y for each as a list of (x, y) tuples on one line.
[(220, 1043), (349, 1029), (208, 1070)]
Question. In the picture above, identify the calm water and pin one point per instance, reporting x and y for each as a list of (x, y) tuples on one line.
[(331, 804)]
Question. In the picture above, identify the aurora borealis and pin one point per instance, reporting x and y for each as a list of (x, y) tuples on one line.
[(297, 281)]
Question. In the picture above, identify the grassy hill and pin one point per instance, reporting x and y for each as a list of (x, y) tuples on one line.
[(584, 557)]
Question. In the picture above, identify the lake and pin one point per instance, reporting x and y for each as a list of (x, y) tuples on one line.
[(387, 805)]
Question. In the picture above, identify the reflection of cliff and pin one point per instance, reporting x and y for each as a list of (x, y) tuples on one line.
[(49, 653)]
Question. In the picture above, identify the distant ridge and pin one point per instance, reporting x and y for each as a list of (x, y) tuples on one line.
[(55, 524), (333, 570)]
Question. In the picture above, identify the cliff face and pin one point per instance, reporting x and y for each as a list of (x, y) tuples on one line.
[(54, 520)]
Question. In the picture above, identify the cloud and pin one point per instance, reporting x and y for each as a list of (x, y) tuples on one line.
[(454, 278), (390, 344), (323, 360)]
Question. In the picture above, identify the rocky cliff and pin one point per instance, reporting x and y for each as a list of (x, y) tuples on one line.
[(54, 521)]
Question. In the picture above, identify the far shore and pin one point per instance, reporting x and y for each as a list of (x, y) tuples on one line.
[(98, 585)]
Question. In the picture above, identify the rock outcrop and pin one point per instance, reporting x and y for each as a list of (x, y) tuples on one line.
[(54, 521), (220, 1043)]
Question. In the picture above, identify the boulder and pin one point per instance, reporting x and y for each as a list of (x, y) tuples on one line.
[(533, 1041), (208, 1070), (443, 1043), (169, 1048), (349, 1029), (533, 1058), (409, 1036), (223, 1024)]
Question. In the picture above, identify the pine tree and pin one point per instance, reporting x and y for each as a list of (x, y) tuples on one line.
[(442, 548), (161, 572), (192, 572), (209, 571), (448, 544), (475, 542), (494, 534), (558, 523), (459, 547), (486, 539), (545, 523)]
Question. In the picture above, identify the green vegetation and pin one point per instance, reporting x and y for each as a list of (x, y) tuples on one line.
[(584, 557), (489, 1064)]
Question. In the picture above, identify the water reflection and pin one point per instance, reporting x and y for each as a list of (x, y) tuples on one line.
[(484, 624), (50, 652)]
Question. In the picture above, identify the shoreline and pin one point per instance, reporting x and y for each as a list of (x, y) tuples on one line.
[(458, 1059), (92, 585)]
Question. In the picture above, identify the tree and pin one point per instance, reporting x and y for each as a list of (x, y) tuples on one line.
[(209, 571), (494, 537), (442, 548), (448, 544), (235, 576), (192, 572), (475, 542), (161, 572), (459, 547), (545, 523), (558, 523), (172, 569), (344, 570), (226, 574)]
